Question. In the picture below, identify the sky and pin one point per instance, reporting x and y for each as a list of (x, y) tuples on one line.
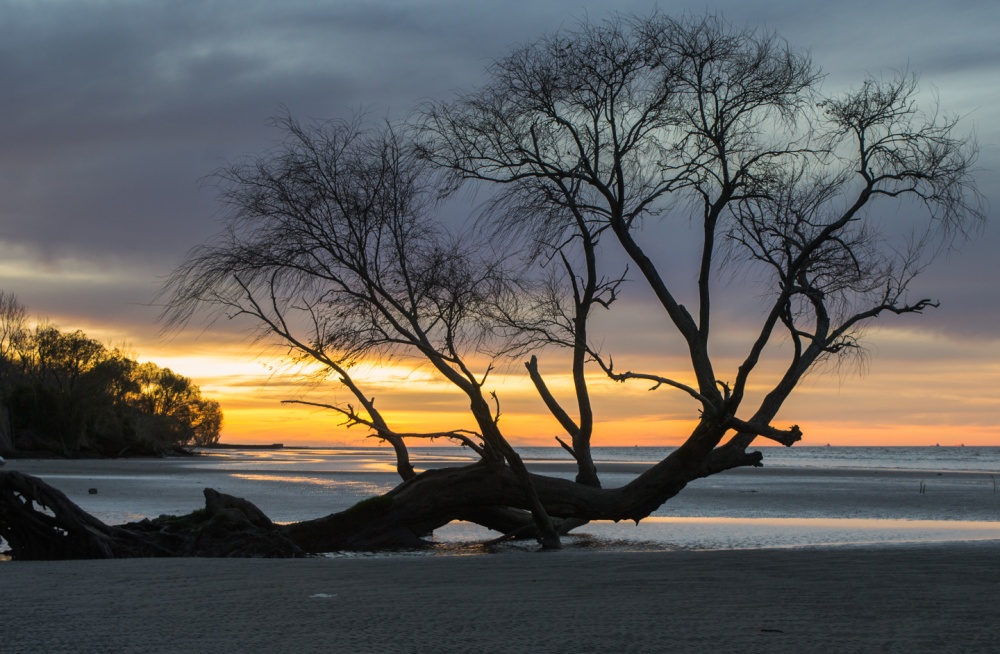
[(112, 114)]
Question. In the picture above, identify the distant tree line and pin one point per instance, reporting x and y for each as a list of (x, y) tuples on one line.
[(68, 394)]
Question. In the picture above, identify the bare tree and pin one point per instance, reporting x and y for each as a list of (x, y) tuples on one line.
[(13, 333), (331, 245), (632, 120)]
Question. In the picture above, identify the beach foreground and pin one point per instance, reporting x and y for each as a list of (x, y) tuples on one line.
[(939, 598)]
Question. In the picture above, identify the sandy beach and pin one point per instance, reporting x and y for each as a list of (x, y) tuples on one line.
[(900, 599), (778, 560)]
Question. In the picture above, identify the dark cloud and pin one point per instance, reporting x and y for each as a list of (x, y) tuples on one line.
[(111, 113)]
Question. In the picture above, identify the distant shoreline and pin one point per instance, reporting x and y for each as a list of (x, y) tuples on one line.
[(36, 455), (246, 446), (178, 452)]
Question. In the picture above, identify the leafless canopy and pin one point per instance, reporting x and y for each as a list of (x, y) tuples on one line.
[(331, 242), (331, 247), (597, 129)]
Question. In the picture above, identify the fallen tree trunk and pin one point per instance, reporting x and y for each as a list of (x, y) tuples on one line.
[(40, 522)]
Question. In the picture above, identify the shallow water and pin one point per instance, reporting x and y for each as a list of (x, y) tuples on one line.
[(816, 497), (938, 458)]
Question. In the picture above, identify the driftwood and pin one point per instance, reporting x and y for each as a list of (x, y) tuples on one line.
[(40, 522)]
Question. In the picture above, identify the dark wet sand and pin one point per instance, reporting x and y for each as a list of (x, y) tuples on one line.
[(941, 598)]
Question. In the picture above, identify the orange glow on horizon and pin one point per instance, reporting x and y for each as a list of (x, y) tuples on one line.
[(918, 392)]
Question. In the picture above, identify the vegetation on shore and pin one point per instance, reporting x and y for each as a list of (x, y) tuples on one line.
[(66, 394)]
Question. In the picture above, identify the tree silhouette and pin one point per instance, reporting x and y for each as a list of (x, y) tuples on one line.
[(68, 394), (583, 138)]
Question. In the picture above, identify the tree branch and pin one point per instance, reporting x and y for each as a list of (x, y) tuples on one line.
[(786, 437)]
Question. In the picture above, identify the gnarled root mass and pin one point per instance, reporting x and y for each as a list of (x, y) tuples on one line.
[(40, 523)]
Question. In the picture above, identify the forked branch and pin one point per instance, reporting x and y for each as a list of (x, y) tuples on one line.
[(786, 437), (657, 380)]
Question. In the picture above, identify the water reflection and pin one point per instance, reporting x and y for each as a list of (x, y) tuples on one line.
[(669, 534), (829, 506), (355, 487)]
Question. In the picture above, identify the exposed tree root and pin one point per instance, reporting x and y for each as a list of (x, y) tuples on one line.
[(40, 523)]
